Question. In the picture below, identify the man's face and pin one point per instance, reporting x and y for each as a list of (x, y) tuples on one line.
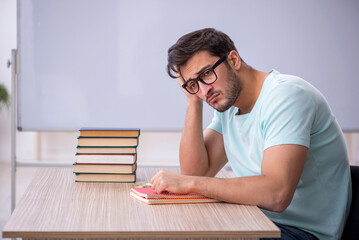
[(221, 94)]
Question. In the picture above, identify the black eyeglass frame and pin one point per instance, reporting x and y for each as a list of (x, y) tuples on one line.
[(198, 79)]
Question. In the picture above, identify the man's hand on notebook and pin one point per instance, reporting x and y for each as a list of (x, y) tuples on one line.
[(168, 181)]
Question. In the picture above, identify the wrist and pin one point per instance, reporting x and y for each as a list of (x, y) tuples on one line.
[(195, 101), (192, 184)]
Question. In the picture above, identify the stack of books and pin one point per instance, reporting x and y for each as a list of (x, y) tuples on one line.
[(149, 196), (106, 155)]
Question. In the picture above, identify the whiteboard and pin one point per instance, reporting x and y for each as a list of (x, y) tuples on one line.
[(103, 62)]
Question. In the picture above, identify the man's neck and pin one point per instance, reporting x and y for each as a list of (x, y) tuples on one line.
[(252, 81)]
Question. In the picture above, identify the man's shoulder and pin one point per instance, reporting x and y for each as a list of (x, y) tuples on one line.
[(289, 84), (288, 96), (284, 87)]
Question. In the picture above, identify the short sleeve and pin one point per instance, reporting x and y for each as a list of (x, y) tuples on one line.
[(216, 123), (287, 116)]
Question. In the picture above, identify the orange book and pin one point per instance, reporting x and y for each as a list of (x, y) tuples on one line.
[(105, 177), (109, 132), (104, 168), (107, 141)]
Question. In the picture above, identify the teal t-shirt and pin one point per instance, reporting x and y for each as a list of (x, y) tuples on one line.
[(291, 111)]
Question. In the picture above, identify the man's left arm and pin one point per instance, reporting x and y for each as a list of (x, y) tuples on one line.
[(273, 190)]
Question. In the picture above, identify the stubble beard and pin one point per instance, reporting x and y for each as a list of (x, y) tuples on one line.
[(233, 89)]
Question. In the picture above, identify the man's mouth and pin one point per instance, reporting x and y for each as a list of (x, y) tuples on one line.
[(212, 98)]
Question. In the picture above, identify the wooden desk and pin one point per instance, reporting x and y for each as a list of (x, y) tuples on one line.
[(55, 206)]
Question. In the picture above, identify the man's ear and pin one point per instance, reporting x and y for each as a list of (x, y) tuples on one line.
[(234, 60)]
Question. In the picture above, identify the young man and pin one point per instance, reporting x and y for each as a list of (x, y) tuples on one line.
[(277, 131)]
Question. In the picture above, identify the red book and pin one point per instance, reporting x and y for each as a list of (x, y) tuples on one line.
[(149, 196), (150, 193)]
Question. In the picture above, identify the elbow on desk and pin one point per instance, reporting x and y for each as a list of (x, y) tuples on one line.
[(278, 208), (279, 202)]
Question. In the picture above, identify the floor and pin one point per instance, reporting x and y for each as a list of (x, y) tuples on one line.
[(23, 178)]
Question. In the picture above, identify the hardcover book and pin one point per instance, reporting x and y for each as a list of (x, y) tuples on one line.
[(105, 150), (96, 177), (106, 159), (109, 132), (107, 141), (104, 168)]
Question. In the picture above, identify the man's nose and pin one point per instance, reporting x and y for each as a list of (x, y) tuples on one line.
[(204, 89)]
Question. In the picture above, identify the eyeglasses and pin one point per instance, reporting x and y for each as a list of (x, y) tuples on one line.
[(207, 77)]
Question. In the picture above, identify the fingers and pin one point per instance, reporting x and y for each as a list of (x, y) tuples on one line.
[(189, 96), (167, 181), (154, 182), (158, 182)]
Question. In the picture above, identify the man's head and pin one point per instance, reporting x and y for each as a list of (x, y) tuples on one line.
[(197, 58), (207, 39)]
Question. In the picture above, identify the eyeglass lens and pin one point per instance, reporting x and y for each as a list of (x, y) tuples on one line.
[(208, 77)]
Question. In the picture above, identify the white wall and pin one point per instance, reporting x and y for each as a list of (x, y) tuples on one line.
[(154, 148)]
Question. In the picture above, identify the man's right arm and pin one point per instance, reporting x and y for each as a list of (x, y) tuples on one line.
[(201, 152)]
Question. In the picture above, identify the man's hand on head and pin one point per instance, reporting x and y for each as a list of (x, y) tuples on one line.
[(191, 98)]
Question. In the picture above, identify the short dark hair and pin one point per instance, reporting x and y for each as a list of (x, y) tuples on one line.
[(208, 39)]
